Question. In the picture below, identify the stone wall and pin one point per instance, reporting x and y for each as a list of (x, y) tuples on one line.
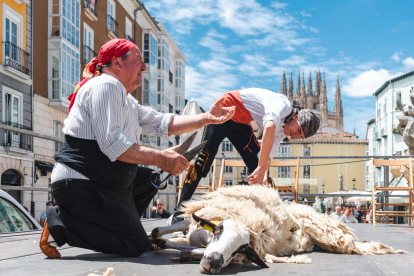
[(44, 116)]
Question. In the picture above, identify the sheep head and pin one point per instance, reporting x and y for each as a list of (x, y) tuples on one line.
[(229, 239)]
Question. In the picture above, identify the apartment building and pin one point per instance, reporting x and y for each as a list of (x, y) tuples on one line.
[(382, 132), (16, 109), (68, 34)]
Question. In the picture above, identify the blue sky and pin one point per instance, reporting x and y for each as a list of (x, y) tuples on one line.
[(233, 44)]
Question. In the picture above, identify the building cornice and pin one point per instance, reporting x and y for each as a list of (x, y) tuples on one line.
[(400, 77)]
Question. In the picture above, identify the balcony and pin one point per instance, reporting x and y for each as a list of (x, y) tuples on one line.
[(112, 28), (171, 77), (16, 59), (15, 141), (383, 132), (88, 54), (127, 37), (376, 136), (91, 9)]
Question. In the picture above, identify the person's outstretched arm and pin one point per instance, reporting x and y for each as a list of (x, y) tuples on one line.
[(215, 115)]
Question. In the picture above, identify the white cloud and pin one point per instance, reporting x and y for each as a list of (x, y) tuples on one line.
[(409, 63), (205, 86), (304, 13), (292, 61), (366, 83), (397, 56), (278, 5)]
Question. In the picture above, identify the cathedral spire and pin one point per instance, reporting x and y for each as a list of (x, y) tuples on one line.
[(338, 106), (310, 93), (323, 100), (318, 85), (298, 87), (283, 89), (303, 94), (290, 89)]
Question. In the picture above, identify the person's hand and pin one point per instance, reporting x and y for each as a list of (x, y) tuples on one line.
[(258, 176), (217, 114), (173, 162)]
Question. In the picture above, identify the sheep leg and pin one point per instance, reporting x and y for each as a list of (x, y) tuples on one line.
[(158, 232), (174, 243)]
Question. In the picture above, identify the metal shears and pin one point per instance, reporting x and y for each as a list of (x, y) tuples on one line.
[(155, 177)]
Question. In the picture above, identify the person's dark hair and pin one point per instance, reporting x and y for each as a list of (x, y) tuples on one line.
[(328, 209), (109, 63)]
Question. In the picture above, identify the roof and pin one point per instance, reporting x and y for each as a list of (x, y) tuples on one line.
[(400, 77), (328, 138)]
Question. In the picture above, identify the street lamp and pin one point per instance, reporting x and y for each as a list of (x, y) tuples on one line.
[(353, 182), (323, 187)]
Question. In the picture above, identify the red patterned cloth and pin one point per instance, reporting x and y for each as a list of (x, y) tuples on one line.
[(110, 50)]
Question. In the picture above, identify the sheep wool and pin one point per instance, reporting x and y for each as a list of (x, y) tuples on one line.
[(279, 228)]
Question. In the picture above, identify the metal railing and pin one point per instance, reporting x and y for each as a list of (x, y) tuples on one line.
[(88, 54), (112, 25), (17, 140), (127, 37), (91, 5), (16, 58)]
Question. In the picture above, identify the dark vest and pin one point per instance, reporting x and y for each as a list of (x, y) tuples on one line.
[(85, 157)]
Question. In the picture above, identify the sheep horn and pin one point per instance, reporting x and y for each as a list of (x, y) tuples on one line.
[(204, 222), (254, 257)]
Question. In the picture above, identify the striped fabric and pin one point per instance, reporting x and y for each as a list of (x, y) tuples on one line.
[(104, 112)]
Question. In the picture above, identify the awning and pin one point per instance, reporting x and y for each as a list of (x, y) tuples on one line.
[(44, 166)]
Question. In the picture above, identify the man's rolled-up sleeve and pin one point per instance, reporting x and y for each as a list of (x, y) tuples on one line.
[(153, 122), (107, 118)]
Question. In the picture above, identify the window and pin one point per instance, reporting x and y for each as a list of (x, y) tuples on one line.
[(228, 169), (226, 146), (306, 188), (57, 132), (128, 28), (12, 104), (307, 151), (283, 151), (70, 22), (88, 44), (385, 107), (146, 48), (12, 219), (245, 172), (306, 171), (228, 182), (398, 98), (111, 8)]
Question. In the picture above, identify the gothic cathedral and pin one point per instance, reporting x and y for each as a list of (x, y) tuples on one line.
[(317, 101)]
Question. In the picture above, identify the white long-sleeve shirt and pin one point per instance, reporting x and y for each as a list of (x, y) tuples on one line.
[(265, 105), (103, 111)]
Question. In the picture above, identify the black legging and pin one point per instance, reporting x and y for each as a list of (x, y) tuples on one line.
[(240, 135)]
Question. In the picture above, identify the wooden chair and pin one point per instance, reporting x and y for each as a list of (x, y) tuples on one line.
[(289, 189), (409, 213), (228, 163), (281, 189), (182, 179)]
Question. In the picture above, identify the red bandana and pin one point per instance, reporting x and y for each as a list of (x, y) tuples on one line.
[(111, 50)]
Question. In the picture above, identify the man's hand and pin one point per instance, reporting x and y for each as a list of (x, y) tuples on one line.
[(172, 162), (258, 176), (218, 114)]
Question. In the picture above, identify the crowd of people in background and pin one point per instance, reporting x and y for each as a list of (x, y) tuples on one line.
[(353, 215)]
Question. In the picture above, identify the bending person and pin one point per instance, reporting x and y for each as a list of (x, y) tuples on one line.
[(275, 115), (96, 181)]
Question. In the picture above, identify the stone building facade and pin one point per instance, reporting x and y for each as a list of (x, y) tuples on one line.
[(317, 99), (16, 109)]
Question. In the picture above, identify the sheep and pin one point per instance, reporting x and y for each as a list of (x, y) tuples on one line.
[(254, 220)]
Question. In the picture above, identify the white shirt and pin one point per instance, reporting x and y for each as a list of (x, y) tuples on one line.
[(103, 111), (265, 105)]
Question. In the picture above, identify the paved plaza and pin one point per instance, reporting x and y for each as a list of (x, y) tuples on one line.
[(20, 255)]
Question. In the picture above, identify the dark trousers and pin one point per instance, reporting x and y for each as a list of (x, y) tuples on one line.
[(240, 135), (93, 217)]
